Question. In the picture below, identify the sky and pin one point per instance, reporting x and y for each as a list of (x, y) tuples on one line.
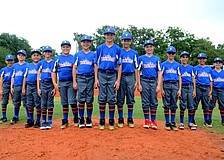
[(49, 22)]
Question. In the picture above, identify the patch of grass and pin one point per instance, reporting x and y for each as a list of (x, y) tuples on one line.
[(137, 114)]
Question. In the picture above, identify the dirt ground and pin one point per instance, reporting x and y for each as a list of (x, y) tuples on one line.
[(122, 143)]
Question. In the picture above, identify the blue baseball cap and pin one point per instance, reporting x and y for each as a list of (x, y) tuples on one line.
[(218, 59), (47, 48), (35, 51), (65, 42), (171, 49), (126, 35), (202, 55), (86, 38), (184, 53), (9, 57), (21, 52), (149, 42), (109, 30)]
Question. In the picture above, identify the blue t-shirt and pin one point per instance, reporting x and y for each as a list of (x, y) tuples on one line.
[(45, 68), (129, 60), (63, 65), (187, 72), (18, 73), (107, 58), (31, 73), (171, 71), (203, 75), (85, 62), (6, 74), (149, 66), (218, 79)]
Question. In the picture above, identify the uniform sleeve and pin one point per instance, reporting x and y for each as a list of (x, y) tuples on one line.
[(159, 65), (2, 73), (76, 59), (13, 71), (54, 67), (162, 66), (26, 72), (136, 60), (178, 70), (140, 63), (210, 75), (118, 55)]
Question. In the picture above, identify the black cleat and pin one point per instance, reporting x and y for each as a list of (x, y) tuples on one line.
[(29, 123), (14, 120)]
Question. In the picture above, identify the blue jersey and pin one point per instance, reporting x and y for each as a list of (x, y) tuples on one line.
[(45, 68), (149, 66), (18, 73), (129, 60), (63, 65), (218, 79), (85, 62), (107, 58), (187, 72), (6, 74), (203, 75), (171, 71), (31, 73)]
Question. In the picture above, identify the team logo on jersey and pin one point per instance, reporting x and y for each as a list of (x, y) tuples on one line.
[(203, 74), (47, 70), (7, 74), (33, 71), (107, 58), (19, 73), (171, 70), (65, 64), (149, 65), (219, 79), (85, 61), (186, 74), (126, 60)]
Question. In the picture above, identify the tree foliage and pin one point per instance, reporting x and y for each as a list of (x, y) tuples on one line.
[(181, 40)]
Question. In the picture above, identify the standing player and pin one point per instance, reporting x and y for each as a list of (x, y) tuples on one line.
[(63, 67), (149, 72), (204, 87), (129, 59), (5, 83), (19, 70), (188, 90), (45, 88), (107, 76), (218, 90), (171, 87), (30, 89), (83, 80)]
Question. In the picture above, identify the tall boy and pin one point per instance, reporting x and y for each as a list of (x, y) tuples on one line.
[(63, 69), (188, 90), (30, 89), (107, 76), (129, 60), (5, 84), (171, 87), (204, 87), (149, 72), (218, 90), (19, 70), (83, 80)]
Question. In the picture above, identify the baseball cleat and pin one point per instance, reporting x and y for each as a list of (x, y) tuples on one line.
[(167, 126), (120, 122), (81, 123), (192, 126), (181, 126), (37, 124), (64, 123), (48, 125), (14, 120), (76, 122), (89, 122), (43, 126), (3, 120), (173, 126), (131, 123), (29, 123), (102, 124), (154, 125), (193, 121), (147, 124), (111, 124)]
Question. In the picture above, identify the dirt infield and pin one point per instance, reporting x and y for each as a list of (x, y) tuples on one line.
[(122, 143)]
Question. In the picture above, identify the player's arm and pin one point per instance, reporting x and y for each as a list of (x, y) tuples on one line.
[(194, 86), (74, 70), (138, 81), (158, 88), (24, 82), (1, 82), (180, 86), (162, 90), (210, 87), (117, 83), (54, 80), (38, 83), (12, 82), (97, 83)]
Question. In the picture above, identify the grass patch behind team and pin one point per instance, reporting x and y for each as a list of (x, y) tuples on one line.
[(216, 120)]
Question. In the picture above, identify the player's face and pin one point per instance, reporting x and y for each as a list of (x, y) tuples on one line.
[(85, 45), (35, 57), (171, 56), (9, 63), (109, 37), (126, 43), (218, 64), (21, 57), (66, 49), (47, 54), (149, 49), (184, 59), (202, 61)]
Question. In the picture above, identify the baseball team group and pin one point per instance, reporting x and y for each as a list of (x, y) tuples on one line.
[(117, 73)]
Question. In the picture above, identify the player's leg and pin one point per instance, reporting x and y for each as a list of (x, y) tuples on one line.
[(221, 105), (50, 105), (37, 103), (183, 104), (212, 104), (197, 99), (153, 104), (5, 99), (30, 106), (173, 106), (16, 103), (44, 104), (190, 107), (205, 106)]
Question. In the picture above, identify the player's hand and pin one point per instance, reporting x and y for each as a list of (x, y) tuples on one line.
[(116, 85), (179, 93), (1, 92), (162, 93), (194, 94), (158, 89), (136, 85), (75, 85), (56, 87), (53, 92), (39, 92), (140, 88), (210, 96), (24, 91), (12, 90), (96, 84)]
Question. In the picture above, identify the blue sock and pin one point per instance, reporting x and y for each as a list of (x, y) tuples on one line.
[(181, 116), (173, 114), (120, 111), (4, 112), (153, 115), (75, 110), (81, 109), (89, 109), (38, 110), (43, 112), (16, 111), (50, 115), (27, 112), (111, 110), (205, 115), (166, 114), (102, 108), (146, 113), (130, 111), (190, 116), (31, 113), (65, 111)]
